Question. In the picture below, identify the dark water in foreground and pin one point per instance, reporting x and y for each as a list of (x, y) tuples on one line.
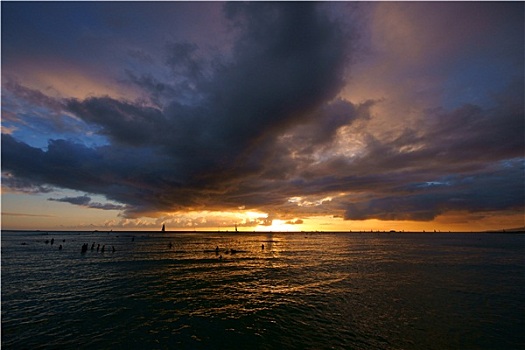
[(303, 291)]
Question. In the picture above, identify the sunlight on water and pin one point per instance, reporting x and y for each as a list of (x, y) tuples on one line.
[(263, 290)]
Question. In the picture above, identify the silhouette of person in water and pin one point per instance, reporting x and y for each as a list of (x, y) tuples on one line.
[(262, 246), (103, 248), (98, 247), (84, 248), (216, 250), (60, 247), (52, 241), (93, 246), (113, 249)]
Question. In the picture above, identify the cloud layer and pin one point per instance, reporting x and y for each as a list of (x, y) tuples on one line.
[(262, 124)]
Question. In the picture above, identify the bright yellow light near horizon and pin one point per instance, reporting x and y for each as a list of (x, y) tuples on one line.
[(22, 211), (255, 215), (278, 226)]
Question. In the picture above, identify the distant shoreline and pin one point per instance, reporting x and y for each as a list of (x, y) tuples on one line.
[(503, 231)]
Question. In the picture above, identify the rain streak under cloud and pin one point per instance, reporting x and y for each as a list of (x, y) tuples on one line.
[(209, 114)]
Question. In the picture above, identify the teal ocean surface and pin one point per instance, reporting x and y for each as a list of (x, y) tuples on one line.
[(262, 291)]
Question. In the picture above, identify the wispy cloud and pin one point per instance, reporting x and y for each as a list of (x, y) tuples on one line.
[(28, 215), (85, 201)]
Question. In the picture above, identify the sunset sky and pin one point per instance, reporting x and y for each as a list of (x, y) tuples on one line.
[(269, 116)]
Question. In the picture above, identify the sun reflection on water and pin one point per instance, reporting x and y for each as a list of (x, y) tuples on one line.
[(301, 289)]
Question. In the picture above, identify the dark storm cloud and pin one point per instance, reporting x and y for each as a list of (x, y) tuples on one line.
[(119, 173), (122, 122), (464, 138), (32, 96), (323, 124), (291, 156), (85, 201), (466, 159), (500, 189), (183, 60), (264, 124), (289, 59), (287, 62), (64, 164), (80, 200), (187, 69), (24, 185), (156, 91)]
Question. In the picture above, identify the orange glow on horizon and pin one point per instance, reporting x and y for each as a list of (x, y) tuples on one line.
[(60, 216)]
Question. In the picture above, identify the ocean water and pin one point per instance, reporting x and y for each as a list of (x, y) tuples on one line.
[(302, 291)]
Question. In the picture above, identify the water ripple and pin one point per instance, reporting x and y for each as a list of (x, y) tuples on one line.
[(324, 291)]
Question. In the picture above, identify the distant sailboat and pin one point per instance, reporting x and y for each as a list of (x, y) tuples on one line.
[(163, 228)]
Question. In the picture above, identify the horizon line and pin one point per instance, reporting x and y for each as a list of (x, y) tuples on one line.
[(511, 230)]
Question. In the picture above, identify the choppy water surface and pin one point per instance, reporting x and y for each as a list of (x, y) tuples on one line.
[(302, 291)]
